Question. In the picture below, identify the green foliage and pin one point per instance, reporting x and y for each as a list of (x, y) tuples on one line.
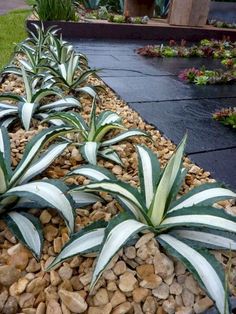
[(18, 191), (91, 136), (226, 116), (183, 226), (12, 27), (55, 10)]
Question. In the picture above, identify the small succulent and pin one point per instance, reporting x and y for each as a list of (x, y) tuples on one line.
[(226, 116)]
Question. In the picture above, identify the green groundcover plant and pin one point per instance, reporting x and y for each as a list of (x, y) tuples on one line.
[(226, 116), (186, 227), (18, 191), (91, 136)]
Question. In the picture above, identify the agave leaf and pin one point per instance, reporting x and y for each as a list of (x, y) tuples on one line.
[(27, 230), (110, 154), (67, 102), (34, 147), (8, 112), (198, 216), (84, 199), (92, 122), (7, 106), (94, 173), (8, 121), (102, 131), (89, 151), (124, 226), (108, 117), (8, 96), (28, 89), (205, 268), (89, 90), (43, 92), (43, 161), (5, 148), (205, 194), (210, 239), (165, 185), (26, 111), (4, 180), (124, 135), (149, 173), (50, 193), (86, 241)]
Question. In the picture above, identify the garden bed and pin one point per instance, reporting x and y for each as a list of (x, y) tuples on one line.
[(154, 30)]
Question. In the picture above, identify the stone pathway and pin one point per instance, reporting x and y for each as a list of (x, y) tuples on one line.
[(152, 88), (8, 5)]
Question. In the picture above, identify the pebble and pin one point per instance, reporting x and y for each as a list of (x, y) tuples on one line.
[(162, 292), (150, 305), (202, 305), (11, 306), (176, 289), (36, 286), (169, 307), (130, 252), (140, 294), (164, 266), (41, 309), (50, 233), (18, 287), (144, 239), (122, 308), (33, 266), (53, 307), (26, 300), (120, 268), (73, 301), (188, 297), (127, 282), (191, 284), (45, 217), (55, 279), (100, 310), (8, 275), (3, 299), (117, 298), (101, 297), (65, 272), (117, 170), (151, 282)]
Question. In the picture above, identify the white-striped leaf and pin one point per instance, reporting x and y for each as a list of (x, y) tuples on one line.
[(124, 135), (94, 173), (165, 185), (44, 161), (67, 102), (211, 239), (8, 112), (84, 199), (34, 147), (205, 194), (107, 117), (86, 241), (203, 266), (87, 90), (27, 229), (102, 131), (50, 193), (4, 106), (5, 148), (119, 231), (28, 89), (26, 111), (198, 216), (110, 154), (8, 121), (149, 173), (89, 151), (4, 180)]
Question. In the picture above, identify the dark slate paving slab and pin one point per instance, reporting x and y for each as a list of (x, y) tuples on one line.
[(214, 311), (130, 66), (176, 118), (220, 163), (162, 88)]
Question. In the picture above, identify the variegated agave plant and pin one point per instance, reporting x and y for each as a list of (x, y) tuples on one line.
[(29, 106), (18, 191), (91, 135), (185, 227), (70, 77)]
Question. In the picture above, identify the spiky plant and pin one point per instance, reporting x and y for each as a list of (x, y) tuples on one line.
[(186, 227), (69, 77), (91, 135), (18, 190), (29, 106)]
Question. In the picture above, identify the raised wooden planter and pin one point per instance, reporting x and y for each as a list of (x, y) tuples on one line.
[(189, 12), (139, 8)]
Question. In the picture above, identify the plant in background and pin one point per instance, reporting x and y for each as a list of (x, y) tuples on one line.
[(182, 226), (55, 10), (91, 136), (18, 191), (70, 77), (29, 106), (226, 116)]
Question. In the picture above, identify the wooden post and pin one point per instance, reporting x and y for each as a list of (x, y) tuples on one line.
[(139, 8), (189, 12)]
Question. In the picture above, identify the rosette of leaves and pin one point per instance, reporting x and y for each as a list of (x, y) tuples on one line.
[(226, 116), (91, 135), (18, 190), (29, 106), (186, 227), (69, 76)]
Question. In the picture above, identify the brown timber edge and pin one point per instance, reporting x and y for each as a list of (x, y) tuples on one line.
[(96, 30)]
